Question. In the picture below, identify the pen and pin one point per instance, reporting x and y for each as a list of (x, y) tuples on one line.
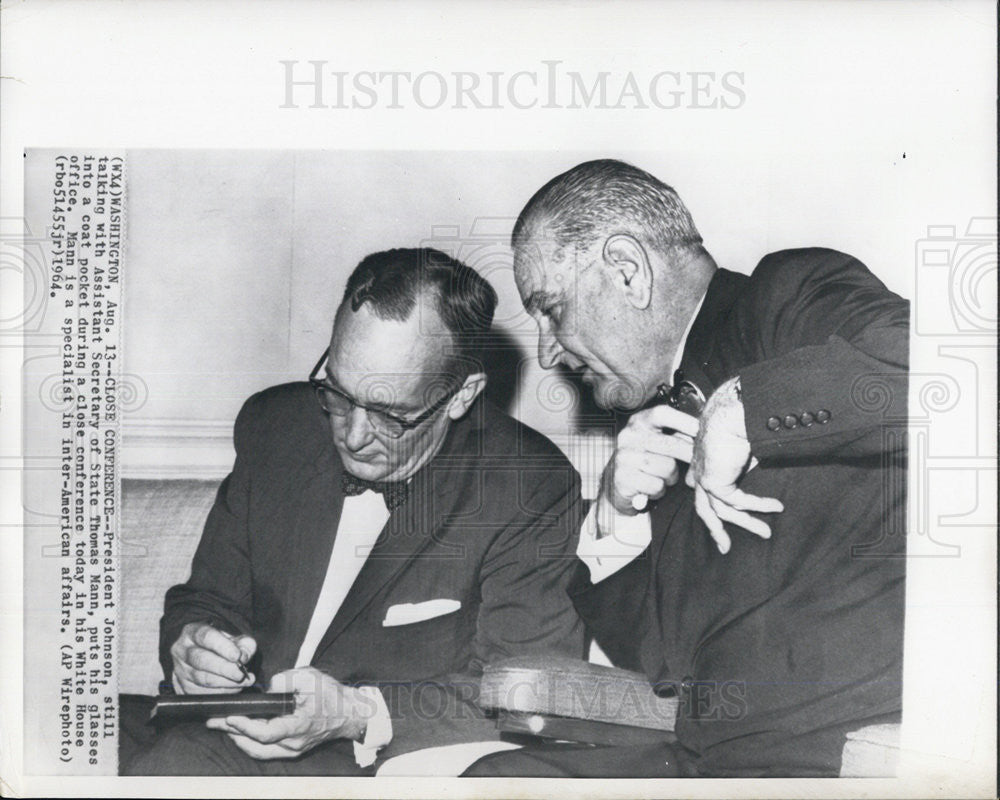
[(240, 662)]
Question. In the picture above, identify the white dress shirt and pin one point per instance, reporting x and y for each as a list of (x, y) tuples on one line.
[(608, 544), (361, 520)]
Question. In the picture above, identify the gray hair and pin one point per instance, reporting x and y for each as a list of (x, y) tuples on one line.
[(595, 197)]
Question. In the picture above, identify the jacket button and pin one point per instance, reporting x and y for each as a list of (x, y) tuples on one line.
[(806, 419), (791, 421), (823, 416), (773, 423)]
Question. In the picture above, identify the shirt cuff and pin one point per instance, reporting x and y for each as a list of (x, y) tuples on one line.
[(607, 546), (378, 732)]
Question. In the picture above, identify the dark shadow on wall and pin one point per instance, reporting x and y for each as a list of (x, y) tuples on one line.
[(503, 357), (505, 365)]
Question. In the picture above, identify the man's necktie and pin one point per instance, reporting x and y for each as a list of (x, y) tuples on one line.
[(394, 494)]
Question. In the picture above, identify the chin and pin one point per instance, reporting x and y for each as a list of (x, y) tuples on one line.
[(617, 395), (374, 470)]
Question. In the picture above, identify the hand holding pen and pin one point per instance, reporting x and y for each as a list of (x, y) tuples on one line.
[(208, 660)]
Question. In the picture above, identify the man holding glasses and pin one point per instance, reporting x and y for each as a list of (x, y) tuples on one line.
[(384, 532)]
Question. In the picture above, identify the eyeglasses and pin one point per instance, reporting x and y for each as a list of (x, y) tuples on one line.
[(335, 402)]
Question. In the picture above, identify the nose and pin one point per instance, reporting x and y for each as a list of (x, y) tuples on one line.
[(549, 349), (359, 430)]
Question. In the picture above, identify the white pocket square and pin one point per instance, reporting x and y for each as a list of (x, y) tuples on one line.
[(408, 613)]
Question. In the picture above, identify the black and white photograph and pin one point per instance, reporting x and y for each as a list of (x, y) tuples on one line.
[(595, 411)]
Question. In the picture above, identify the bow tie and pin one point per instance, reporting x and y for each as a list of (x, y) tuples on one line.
[(394, 494)]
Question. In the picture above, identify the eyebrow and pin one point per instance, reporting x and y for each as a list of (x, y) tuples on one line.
[(394, 410)]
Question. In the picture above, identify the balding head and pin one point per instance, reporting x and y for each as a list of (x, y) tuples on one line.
[(406, 347)]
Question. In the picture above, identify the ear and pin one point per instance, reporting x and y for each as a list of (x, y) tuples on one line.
[(465, 396), (628, 264)]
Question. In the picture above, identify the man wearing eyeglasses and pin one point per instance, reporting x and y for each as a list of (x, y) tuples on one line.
[(385, 531)]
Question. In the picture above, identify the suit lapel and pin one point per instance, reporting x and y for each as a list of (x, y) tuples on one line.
[(434, 494), (317, 518), (708, 361), (700, 362)]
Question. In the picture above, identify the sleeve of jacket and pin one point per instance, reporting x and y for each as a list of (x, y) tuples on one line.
[(218, 589), (833, 382), (525, 608), (525, 574), (617, 613)]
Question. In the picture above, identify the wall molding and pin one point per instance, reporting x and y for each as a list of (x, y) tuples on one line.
[(170, 449), (173, 449)]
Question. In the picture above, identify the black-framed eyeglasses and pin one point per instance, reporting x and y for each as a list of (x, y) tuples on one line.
[(335, 402)]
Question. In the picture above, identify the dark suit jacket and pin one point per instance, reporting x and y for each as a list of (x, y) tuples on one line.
[(491, 521), (779, 647)]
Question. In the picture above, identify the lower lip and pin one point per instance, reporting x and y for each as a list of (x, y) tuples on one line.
[(365, 459)]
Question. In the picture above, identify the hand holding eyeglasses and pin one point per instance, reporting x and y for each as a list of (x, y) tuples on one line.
[(715, 444)]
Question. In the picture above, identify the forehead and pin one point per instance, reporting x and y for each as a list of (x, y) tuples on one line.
[(388, 362)]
